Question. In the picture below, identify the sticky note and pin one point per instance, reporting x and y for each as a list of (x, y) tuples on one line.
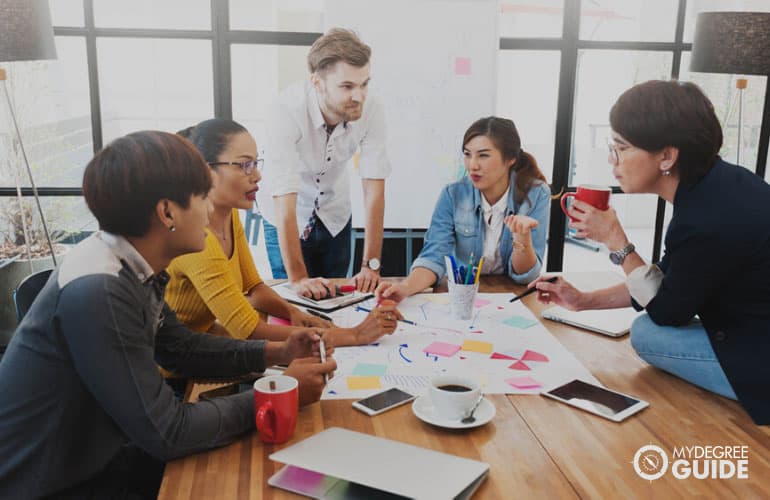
[(369, 370), (462, 65), (358, 383), (533, 356), (272, 320), (499, 355), (519, 366), (481, 302), (520, 322), (442, 349), (477, 346), (523, 383)]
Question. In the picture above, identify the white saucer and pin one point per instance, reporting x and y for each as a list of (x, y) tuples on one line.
[(423, 408)]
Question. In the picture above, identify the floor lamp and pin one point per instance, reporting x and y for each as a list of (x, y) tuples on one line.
[(736, 43), (26, 34)]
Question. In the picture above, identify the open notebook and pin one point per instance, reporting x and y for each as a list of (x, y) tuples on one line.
[(327, 305), (342, 464)]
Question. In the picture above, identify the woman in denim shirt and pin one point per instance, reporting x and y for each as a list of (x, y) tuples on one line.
[(499, 211)]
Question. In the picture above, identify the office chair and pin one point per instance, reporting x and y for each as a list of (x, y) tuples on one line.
[(25, 293)]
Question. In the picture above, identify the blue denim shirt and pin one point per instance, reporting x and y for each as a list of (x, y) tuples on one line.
[(457, 228)]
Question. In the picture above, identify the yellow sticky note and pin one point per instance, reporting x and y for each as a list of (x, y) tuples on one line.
[(357, 383), (477, 346)]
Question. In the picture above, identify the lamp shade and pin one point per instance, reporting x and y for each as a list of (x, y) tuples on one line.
[(26, 33), (732, 42)]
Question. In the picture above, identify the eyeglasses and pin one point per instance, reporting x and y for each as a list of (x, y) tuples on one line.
[(247, 166), (613, 149)]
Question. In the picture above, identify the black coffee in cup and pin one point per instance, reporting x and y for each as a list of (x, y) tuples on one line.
[(454, 388)]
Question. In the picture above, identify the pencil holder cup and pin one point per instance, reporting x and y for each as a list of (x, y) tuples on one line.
[(462, 298)]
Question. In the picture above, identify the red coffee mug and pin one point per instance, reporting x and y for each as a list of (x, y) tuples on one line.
[(596, 196), (276, 406)]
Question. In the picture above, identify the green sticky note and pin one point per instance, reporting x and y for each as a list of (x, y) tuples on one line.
[(370, 370), (520, 322)]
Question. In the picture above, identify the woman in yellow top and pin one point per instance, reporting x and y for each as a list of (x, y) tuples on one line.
[(219, 289)]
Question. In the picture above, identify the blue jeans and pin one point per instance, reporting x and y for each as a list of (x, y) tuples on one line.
[(683, 351), (324, 255)]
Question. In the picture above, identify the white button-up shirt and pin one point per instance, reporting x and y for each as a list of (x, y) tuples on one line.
[(494, 215), (300, 157)]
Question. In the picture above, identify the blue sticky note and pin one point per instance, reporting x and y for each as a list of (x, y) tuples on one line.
[(519, 322), (369, 370)]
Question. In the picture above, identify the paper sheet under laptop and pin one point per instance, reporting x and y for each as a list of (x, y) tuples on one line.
[(338, 463), (612, 322)]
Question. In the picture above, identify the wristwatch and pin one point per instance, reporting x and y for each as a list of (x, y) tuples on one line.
[(618, 256), (373, 264)]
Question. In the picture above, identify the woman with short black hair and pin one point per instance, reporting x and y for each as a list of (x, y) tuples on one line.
[(665, 141)]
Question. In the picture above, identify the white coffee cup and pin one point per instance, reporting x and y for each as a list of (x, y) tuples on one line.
[(449, 400)]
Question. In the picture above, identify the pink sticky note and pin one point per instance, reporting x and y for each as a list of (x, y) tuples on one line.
[(519, 366), (272, 320), (533, 356), (498, 355), (462, 65), (524, 383), (442, 349), (482, 302)]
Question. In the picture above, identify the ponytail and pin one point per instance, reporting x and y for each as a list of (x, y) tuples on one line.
[(527, 174)]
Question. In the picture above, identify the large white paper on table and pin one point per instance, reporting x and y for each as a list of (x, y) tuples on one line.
[(504, 346)]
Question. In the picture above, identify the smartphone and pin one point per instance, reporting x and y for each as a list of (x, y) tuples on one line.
[(609, 404), (227, 390), (382, 401)]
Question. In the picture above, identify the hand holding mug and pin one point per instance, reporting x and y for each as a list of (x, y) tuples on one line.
[(599, 225), (596, 196)]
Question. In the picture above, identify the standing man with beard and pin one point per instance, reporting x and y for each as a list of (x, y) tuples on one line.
[(315, 127)]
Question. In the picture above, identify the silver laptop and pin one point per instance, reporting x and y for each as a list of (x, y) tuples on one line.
[(611, 322), (342, 464)]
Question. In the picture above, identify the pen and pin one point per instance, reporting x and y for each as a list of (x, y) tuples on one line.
[(533, 289), (359, 308), (469, 273), (323, 358), (320, 315), (478, 271)]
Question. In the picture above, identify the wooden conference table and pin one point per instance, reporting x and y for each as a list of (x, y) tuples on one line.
[(535, 447)]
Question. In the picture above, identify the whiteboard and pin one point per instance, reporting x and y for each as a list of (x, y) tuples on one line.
[(434, 67)]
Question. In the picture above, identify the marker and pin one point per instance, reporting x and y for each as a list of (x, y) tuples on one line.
[(533, 289), (469, 272), (323, 358), (478, 272), (320, 315), (359, 308), (339, 290)]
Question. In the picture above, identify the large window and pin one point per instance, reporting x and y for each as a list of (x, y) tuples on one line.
[(124, 66)]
